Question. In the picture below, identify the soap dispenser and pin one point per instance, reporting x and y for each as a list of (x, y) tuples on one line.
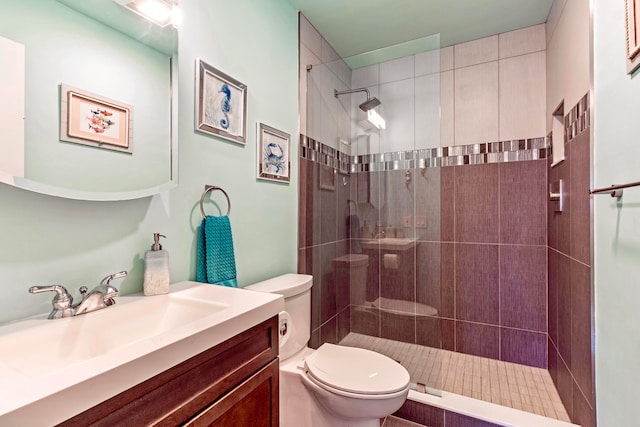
[(156, 268), (366, 233)]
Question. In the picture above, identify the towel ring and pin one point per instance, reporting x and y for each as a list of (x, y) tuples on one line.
[(209, 188)]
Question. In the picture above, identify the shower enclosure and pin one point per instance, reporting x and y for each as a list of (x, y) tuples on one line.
[(426, 230)]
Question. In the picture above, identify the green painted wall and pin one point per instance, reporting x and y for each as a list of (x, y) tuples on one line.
[(617, 230), (48, 240)]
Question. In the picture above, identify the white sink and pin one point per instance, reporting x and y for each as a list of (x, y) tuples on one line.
[(58, 368), (390, 243), (54, 345)]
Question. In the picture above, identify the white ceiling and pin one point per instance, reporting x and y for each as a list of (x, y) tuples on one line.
[(356, 26)]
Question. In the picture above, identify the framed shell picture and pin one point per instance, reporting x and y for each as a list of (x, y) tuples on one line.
[(221, 104), (273, 154)]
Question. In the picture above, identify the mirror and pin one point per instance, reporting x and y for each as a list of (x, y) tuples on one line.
[(112, 56)]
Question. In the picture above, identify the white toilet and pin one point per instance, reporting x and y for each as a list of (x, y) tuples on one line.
[(333, 385)]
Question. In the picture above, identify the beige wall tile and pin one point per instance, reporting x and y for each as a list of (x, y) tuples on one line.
[(476, 103), (427, 111), (397, 69), (306, 58), (476, 52), (446, 109), (398, 110), (568, 58), (446, 58), (427, 62), (522, 96), (327, 116), (344, 72), (310, 37), (365, 76), (523, 41), (328, 54), (554, 17)]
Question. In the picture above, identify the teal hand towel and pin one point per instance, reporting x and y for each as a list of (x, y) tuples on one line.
[(216, 263)]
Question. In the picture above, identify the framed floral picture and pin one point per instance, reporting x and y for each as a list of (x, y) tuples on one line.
[(221, 104), (274, 151), (90, 119)]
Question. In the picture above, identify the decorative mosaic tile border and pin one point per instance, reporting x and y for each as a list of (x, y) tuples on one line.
[(316, 151), (578, 119), (474, 154)]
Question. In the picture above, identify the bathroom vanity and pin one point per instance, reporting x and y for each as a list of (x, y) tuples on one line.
[(233, 383), (200, 355)]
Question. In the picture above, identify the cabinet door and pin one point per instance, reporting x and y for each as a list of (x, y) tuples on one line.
[(253, 403), (176, 395)]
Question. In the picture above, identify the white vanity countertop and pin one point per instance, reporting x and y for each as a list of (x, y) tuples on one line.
[(51, 370), (390, 243)]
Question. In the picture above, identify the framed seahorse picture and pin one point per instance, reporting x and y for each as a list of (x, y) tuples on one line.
[(221, 104), (274, 151), (90, 119)]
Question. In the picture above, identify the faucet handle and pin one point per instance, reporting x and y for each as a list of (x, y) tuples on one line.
[(110, 277), (62, 302), (61, 292), (108, 289)]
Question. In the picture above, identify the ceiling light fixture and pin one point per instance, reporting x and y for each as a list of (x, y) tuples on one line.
[(160, 12)]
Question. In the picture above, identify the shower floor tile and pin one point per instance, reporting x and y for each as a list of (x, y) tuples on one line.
[(508, 384), (392, 421)]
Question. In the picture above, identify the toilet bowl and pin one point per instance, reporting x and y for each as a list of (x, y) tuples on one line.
[(333, 385), (352, 382)]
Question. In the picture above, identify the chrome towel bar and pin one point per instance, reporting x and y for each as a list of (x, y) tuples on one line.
[(614, 190)]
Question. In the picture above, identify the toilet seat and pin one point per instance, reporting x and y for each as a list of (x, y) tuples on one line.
[(354, 372)]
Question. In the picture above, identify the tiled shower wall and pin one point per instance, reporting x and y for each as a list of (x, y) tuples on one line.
[(482, 268), (569, 260), (489, 262)]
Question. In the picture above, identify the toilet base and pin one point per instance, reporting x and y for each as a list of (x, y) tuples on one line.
[(298, 405), (298, 408)]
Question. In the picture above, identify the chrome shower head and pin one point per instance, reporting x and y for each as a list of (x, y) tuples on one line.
[(367, 105)]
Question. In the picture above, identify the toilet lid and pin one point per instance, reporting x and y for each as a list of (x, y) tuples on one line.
[(356, 370)]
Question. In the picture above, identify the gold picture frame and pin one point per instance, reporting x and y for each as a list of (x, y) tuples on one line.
[(90, 119)]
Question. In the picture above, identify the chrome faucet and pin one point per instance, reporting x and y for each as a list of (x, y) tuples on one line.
[(100, 297), (62, 301), (379, 233)]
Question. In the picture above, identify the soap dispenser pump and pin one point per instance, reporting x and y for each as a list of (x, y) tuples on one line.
[(156, 268)]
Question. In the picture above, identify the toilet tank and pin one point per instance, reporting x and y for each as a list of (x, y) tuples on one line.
[(296, 289)]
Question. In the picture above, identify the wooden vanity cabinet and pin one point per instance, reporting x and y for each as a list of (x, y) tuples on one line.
[(232, 384)]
